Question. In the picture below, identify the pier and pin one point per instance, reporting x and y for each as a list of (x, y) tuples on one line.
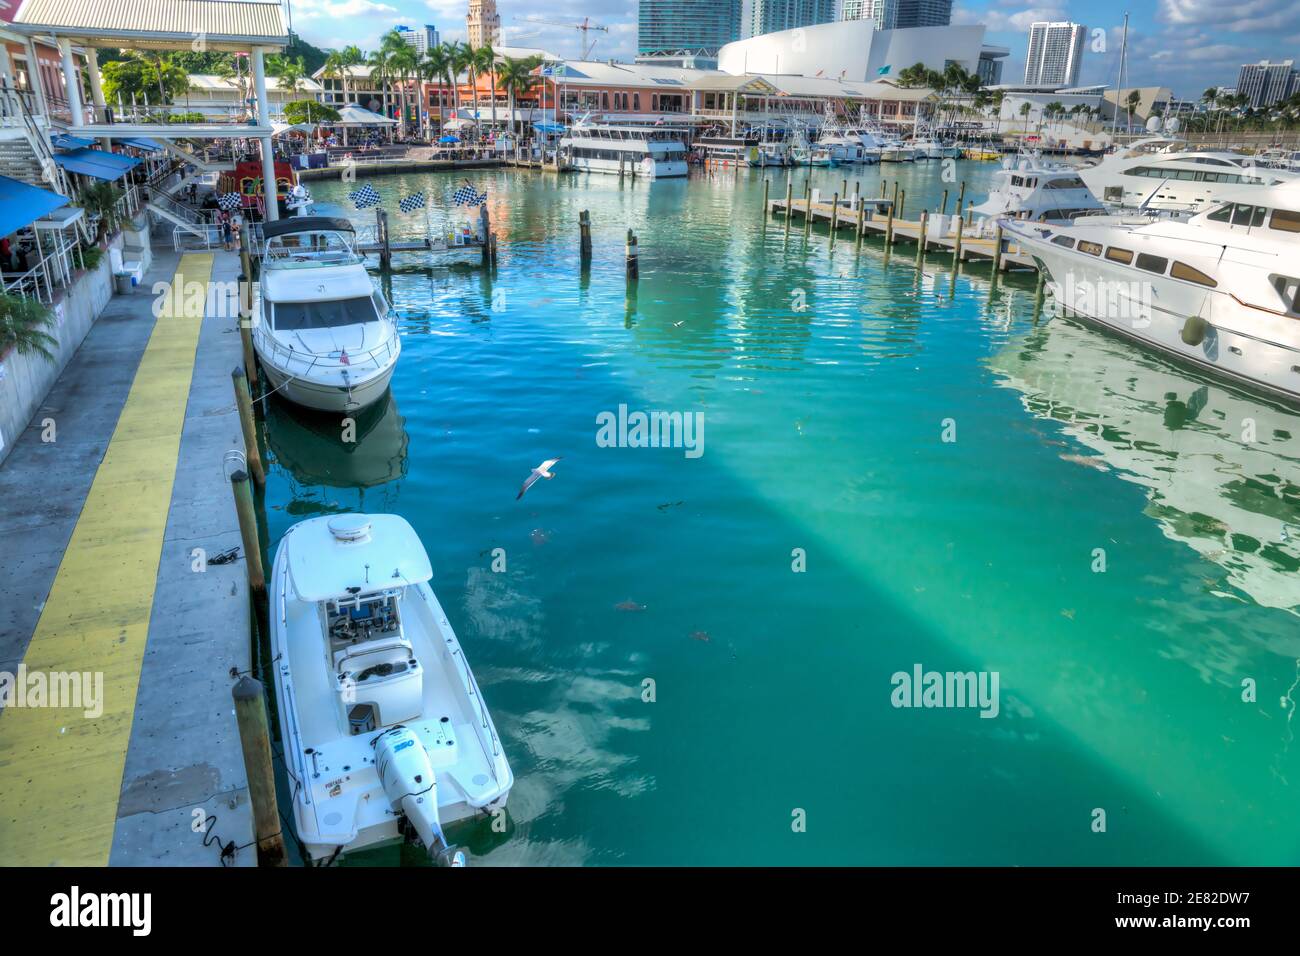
[(877, 221)]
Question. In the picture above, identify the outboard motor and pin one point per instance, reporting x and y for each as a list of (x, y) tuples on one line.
[(408, 779)]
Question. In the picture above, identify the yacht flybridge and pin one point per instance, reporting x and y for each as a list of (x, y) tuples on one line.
[(1156, 174), (323, 332), (648, 152), (386, 734), (1220, 290), (1029, 187)]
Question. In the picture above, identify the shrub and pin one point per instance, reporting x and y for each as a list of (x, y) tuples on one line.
[(23, 325)]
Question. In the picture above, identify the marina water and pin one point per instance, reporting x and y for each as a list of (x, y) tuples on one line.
[(900, 470)]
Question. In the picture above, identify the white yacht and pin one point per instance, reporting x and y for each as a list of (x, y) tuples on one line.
[(1156, 174), (385, 732), (1220, 290), (893, 150), (845, 146), (322, 331), (928, 146), (769, 153), (1029, 187), (650, 152)]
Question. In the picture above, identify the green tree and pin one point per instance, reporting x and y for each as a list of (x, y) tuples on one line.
[(517, 79), (309, 111), (159, 80), (437, 66), (23, 327)]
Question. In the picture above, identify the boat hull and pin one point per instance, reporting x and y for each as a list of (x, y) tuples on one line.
[(327, 398)]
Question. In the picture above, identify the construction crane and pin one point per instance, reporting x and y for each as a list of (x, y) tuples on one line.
[(584, 27)]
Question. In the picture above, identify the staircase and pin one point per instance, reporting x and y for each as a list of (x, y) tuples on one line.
[(178, 214), (200, 164), (19, 161)]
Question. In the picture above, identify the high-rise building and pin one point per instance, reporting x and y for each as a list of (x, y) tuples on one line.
[(423, 39), (1055, 54), (1266, 83), (770, 16), (483, 25), (899, 14), (686, 27)]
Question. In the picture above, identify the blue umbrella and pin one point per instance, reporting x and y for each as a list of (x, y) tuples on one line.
[(449, 139)]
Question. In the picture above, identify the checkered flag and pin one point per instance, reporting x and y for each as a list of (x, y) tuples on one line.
[(230, 201), (364, 197), (467, 195), (413, 201)]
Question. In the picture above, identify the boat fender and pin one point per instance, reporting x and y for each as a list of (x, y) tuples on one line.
[(1194, 330)]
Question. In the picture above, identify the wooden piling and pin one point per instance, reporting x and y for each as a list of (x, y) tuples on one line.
[(248, 532), (255, 742), (485, 227), (902, 202), (943, 206), (956, 248), (889, 223), (630, 255), (246, 329), (766, 183), (584, 236), (997, 251), (961, 196), (244, 402), (862, 212), (789, 205), (844, 187), (835, 214), (921, 238)]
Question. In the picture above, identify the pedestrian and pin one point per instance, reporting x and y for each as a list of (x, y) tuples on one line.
[(223, 220)]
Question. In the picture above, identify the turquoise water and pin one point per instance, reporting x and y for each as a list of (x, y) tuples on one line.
[(1120, 690)]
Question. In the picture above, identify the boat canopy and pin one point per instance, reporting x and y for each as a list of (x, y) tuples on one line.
[(367, 552), (283, 227)]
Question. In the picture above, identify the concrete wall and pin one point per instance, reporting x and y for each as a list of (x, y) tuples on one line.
[(25, 380)]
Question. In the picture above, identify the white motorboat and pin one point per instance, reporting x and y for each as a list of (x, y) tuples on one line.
[(385, 732), (1156, 174), (929, 148), (896, 151), (1029, 187), (847, 147), (322, 331), (1220, 290), (769, 153), (647, 152)]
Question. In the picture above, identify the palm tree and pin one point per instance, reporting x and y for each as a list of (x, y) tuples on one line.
[(458, 53), (335, 68), (405, 63), (517, 79), (351, 56), (1024, 111), (438, 66), (380, 64), (485, 61), (23, 325)]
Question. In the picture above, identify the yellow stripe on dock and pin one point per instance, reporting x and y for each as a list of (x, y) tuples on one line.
[(60, 771)]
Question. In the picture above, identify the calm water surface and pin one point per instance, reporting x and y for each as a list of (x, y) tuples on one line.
[(1121, 691)]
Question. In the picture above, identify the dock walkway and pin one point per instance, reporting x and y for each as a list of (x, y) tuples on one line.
[(876, 222), (97, 540)]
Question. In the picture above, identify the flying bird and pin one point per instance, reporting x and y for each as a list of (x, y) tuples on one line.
[(541, 471)]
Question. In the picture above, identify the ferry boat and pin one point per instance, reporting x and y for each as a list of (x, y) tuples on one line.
[(385, 732), (1220, 290), (650, 152), (1154, 173), (322, 331), (1029, 187)]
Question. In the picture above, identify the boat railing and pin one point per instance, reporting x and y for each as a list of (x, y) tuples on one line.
[(314, 360)]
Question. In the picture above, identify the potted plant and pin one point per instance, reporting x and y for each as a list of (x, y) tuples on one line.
[(23, 327)]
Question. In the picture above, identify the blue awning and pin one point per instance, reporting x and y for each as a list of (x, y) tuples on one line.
[(548, 127), (96, 162), (21, 205), (64, 141), (146, 144)]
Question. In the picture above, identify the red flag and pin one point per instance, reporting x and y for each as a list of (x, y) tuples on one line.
[(343, 357)]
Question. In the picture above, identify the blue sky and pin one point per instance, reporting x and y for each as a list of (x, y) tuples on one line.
[(1184, 44)]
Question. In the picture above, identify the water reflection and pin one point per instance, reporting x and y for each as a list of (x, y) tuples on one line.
[(1220, 467)]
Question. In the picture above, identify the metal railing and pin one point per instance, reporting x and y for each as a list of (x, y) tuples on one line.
[(277, 348)]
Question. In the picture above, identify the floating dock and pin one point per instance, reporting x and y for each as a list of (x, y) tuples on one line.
[(876, 221)]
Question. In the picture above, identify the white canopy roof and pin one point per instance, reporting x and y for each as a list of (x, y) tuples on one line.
[(353, 115), (322, 566)]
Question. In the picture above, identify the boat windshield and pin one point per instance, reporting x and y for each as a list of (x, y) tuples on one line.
[(326, 314), (306, 250)]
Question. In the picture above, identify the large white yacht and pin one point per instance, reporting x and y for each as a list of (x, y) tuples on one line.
[(322, 331), (1220, 290), (1029, 187), (386, 734), (1157, 174), (649, 152)]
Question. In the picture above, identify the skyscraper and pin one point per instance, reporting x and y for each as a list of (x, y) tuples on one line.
[(899, 14), (1266, 83), (423, 39), (483, 25), (1055, 53), (700, 27), (770, 16)]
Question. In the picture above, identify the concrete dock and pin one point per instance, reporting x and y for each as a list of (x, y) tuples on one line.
[(876, 222), (101, 519)]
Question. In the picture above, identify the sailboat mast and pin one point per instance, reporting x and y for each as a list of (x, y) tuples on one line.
[(1119, 88)]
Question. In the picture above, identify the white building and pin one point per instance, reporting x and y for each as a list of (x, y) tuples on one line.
[(853, 50), (220, 96), (423, 39), (1266, 83), (1055, 53)]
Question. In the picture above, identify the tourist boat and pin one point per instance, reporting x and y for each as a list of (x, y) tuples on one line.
[(1220, 290), (1156, 174), (322, 331), (725, 150), (1029, 187), (385, 732), (245, 180), (649, 152)]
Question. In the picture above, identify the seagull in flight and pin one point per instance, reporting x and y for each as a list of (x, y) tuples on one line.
[(541, 471)]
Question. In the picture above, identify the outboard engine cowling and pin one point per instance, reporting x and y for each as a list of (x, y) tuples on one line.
[(409, 782)]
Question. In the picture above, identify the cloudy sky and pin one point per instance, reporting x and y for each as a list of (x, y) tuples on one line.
[(1185, 44)]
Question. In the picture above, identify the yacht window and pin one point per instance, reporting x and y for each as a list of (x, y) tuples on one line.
[(1285, 220), (1064, 241), (1245, 214), (1092, 248), (1288, 289), (1222, 214), (1181, 270), (1151, 263), (328, 314), (1017, 180), (1069, 182), (1115, 254)]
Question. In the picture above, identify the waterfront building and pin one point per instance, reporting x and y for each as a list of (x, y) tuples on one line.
[(771, 16), (680, 28), (483, 25), (423, 39), (1265, 83), (1055, 53), (220, 97), (899, 14), (359, 87)]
